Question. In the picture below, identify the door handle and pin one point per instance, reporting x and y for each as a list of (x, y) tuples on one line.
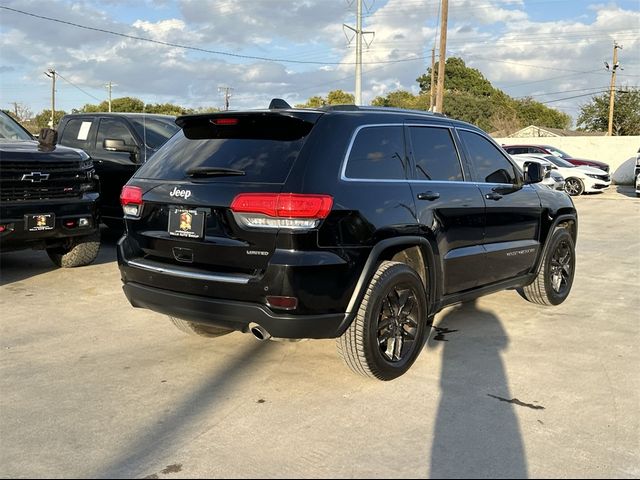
[(428, 196), (493, 196)]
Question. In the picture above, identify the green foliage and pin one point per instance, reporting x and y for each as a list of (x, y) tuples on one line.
[(44, 117), (594, 116), (335, 97), (469, 96), (135, 105), (403, 99)]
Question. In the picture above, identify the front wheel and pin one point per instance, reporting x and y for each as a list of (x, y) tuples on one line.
[(555, 277), (574, 186), (388, 332), (76, 251)]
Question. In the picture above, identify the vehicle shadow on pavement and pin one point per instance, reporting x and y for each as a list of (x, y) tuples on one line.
[(22, 264), (476, 433), (196, 406)]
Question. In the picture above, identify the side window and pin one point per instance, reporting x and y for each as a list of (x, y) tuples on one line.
[(490, 164), (115, 129), (535, 150), (435, 154), (76, 133), (378, 153)]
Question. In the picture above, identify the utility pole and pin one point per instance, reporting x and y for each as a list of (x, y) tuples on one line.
[(612, 94), (359, 34), (227, 96), (109, 87), (51, 73), (432, 99), (443, 53)]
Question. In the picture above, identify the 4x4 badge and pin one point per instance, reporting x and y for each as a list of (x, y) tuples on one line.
[(35, 177)]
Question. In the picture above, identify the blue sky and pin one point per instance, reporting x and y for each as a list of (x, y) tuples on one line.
[(547, 49)]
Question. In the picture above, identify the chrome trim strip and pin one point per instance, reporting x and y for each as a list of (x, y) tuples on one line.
[(191, 275)]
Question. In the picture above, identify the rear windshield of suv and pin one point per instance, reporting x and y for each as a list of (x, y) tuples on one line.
[(263, 160)]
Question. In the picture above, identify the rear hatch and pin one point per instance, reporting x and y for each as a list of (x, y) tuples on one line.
[(189, 185)]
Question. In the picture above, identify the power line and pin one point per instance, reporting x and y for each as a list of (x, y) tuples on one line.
[(205, 50), (76, 86), (575, 96)]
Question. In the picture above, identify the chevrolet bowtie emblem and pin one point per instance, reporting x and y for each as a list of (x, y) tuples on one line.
[(35, 177)]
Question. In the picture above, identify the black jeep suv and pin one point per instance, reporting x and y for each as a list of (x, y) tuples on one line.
[(352, 223), (48, 197)]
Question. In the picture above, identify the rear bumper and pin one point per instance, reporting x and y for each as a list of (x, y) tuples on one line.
[(233, 314)]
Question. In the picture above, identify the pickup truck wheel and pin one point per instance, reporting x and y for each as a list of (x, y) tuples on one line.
[(388, 332), (193, 328), (555, 277), (574, 186), (76, 251)]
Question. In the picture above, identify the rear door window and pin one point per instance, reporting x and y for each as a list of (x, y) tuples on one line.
[(435, 154), (378, 153)]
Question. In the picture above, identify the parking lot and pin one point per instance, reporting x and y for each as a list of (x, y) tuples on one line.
[(91, 387)]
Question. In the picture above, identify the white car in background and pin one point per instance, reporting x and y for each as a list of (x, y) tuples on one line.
[(577, 179), (552, 177)]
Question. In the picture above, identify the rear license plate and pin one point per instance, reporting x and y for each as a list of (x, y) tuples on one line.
[(40, 222), (186, 223)]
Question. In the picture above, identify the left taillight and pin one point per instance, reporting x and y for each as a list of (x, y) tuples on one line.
[(131, 201)]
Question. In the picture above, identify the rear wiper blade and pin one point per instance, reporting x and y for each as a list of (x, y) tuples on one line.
[(213, 172)]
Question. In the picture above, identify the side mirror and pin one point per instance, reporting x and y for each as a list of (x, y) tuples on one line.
[(533, 172), (117, 145)]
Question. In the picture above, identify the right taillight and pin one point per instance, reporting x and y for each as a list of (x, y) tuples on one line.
[(281, 210), (131, 201)]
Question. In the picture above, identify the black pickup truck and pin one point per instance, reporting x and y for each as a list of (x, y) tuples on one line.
[(48, 197), (118, 143)]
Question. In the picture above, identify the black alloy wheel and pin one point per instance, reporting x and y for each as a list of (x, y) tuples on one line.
[(397, 323), (561, 268), (391, 325)]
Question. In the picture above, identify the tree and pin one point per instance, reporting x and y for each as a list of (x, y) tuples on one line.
[(594, 116), (335, 97), (403, 99), (44, 117)]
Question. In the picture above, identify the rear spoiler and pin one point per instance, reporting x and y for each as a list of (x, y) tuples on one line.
[(256, 125)]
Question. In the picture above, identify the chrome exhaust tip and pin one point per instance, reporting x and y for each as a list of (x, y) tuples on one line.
[(259, 332)]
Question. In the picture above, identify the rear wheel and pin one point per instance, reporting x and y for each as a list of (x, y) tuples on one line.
[(193, 328), (555, 277), (388, 332), (76, 251), (574, 186)]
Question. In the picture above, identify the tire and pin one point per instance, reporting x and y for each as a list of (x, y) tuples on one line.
[(573, 187), (193, 328), (76, 251), (555, 276), (370, 349)]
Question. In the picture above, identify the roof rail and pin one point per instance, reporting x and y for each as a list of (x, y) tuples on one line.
[(342, 107)]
